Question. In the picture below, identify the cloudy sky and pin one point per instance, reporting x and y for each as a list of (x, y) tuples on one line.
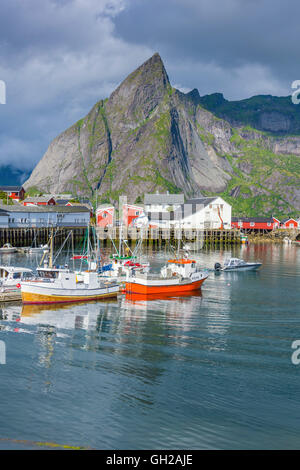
[(58, 57)]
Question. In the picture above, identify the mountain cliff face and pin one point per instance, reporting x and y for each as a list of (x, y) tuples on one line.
[(148, 136)]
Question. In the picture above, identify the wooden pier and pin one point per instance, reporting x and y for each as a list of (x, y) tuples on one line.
[(11, 296), (160, 236), (25, 237)]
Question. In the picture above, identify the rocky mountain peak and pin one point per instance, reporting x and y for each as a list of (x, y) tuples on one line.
[(142, 90)]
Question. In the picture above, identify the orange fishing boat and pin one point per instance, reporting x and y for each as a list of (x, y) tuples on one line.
[(178, 276)]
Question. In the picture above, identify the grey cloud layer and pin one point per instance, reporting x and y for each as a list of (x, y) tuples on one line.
[(58, 57)]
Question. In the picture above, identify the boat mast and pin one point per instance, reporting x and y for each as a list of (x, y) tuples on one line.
[(51, 250)]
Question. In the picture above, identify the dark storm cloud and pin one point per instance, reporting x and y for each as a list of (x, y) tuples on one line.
[(227, 36), (58, 57)]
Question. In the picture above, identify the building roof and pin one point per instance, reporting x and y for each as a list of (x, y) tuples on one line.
[(62, 202), (253, 219), (3, 213), (105, 206), (287, 219), (36, 199), (60, 209), (201, 200), (164, 198), (13, 189)]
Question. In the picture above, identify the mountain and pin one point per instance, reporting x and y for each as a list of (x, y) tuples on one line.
[(148, 136)]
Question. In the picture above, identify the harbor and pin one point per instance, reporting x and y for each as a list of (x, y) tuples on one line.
[(142, 365)]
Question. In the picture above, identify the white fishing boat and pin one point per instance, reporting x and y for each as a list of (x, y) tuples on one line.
[(10, 276), (236, 264), (8, 248), (62, 285)]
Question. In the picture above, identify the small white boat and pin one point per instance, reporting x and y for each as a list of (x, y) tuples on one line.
[(10, 276), (236, 264), (39, 249), (7, 248)]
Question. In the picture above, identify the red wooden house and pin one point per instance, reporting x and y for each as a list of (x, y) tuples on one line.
[(105, 215), (39, 201), (254, 223), (130, 213), (16, 193), (289, 223)]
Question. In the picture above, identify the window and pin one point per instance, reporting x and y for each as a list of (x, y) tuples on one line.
[(269, 224), (104, 215)]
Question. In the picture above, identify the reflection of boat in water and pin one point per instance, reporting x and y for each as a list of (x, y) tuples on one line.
[(133, 298), (29, 310), (236, 264), (7, 248)]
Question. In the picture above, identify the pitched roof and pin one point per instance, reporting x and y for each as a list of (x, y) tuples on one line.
[(38, 199), (287, 219), (13, 189), (201, 200), (253, 219), (164, 198), (105, 206), (60, 209)]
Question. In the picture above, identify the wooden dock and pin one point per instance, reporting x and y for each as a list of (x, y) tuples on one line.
[(160, 236), (25, 237), (11, 296)]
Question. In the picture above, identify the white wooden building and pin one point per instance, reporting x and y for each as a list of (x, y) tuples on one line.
[(19, 216), (198, 213)]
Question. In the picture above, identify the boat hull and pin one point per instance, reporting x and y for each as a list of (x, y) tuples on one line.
[(250, 267), (139, 288), (38, 295)]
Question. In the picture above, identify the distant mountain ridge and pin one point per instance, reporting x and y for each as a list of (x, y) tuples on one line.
[(277, 115), (148, 136)]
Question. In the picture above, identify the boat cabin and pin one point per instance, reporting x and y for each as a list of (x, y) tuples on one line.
[(11, 275), (182, 267)]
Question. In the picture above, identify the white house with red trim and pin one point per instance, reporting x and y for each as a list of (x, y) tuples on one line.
[(105, 215), (197, 213)]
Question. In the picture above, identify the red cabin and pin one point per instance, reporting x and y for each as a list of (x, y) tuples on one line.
[(254, 223), (16, 193), (130, 213), (105, 215), (39, 201), (289, 223)]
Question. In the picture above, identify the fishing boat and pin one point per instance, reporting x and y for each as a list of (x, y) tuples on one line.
[(11, 276), (236, 264), (38, 249), (7, 249), (177, 276), (55, 284), (63, 286)]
